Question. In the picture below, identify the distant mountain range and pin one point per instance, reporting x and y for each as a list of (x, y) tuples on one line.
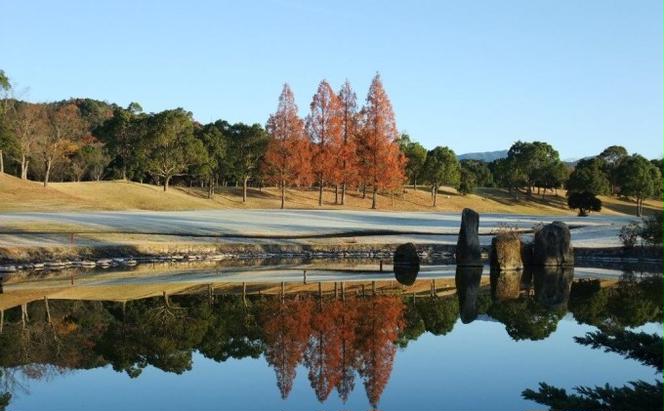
[(487, 156)]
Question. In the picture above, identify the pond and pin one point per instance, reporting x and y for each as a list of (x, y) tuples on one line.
[(345, 336)]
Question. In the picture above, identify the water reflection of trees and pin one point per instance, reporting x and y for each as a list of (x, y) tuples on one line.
[(634, 302), (337, 340)]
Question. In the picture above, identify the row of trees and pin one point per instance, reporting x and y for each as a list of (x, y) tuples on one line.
[(615, 172), (337, 145)]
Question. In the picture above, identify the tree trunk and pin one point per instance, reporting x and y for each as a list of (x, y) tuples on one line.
[(336, 194), (320, 192), (364, 190), (24, 167), (343, 193), (283, 193), (414, 184), (124, 171), (435, 194), (244, 189), (166, 181), (373, 196), (2, 163), (47, 173)]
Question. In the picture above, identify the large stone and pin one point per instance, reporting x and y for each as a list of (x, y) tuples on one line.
[(406, 264), (553, 246), (506, 252), (468, 246)]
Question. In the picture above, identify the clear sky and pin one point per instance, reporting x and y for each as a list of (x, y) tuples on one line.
[(475, 76)]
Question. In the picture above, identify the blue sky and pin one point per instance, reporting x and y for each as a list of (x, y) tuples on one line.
[(474, 76)]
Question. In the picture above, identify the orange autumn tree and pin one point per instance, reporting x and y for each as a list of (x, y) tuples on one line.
[(287, 160), (347, 157), (381, 160), (379, 325), (324, 127), (286, 332)]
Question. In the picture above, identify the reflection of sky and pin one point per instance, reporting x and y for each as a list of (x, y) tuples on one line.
[(477, 366)]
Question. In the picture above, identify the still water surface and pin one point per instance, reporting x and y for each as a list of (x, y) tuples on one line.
[(476, 343)]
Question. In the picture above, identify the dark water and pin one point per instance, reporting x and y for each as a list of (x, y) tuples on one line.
[(477, 345)]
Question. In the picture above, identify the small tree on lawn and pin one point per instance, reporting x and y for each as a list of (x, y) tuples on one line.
[(584, 201)]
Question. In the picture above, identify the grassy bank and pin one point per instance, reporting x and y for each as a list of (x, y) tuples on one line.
[(20, 195)]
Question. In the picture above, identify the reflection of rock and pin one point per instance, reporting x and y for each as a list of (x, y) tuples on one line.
[(552, 246), (505, 285), (552, 286), (506, 252), (406, 264), (406, 274), (467, 281), (468, 246)]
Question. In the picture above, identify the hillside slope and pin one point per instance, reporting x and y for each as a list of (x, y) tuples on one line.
[(19, 195)]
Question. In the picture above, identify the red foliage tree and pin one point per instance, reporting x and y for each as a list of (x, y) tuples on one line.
[(324, 127), (286, 333), (381, 160), (288, 156), (347, 156)]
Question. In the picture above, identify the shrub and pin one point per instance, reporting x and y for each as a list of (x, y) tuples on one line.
[(629, 234), (651, 231), (584, 201)]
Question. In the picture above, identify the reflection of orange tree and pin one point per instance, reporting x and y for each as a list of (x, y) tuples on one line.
[(286, 332), (348, 356), (333, 339), (379, 324), (323, 354)]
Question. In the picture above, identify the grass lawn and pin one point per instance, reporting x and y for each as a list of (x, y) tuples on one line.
[(19, 195)]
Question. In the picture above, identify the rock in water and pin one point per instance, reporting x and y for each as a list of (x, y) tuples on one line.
[(506, 252), (553, 246), (406, 264), (468, 246)]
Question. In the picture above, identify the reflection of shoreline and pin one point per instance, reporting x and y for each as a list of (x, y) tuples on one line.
[(126, 287), (336, 339)]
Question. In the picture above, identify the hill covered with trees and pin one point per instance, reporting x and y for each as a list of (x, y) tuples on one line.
[(339, 147)]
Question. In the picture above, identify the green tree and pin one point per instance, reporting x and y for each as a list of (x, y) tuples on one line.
[(468, 183), (123, 133), (638, 178), (173, 147), (589, 175), (481, 172), (441, 168), (247, 145), (6, 140), (584, 201), (534, 164), (612, 156), (415, 155), (214, 139)]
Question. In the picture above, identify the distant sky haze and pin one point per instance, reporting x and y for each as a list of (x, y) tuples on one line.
[(474, 76)]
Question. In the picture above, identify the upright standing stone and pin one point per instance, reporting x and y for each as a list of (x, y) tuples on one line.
[(468, 246), (505, 252), (553, 246)]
